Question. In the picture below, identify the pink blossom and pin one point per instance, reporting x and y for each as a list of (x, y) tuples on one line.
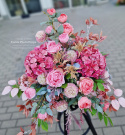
[(48, 29), (52, 47), (63, 38), (62, 18), (71, 90), (92, 62), (42, 116), (71, 55), (12, 82), (118, 92), (41, 79), (14, 92), (51, 11), (115, 104), (61, 106), (85, 85), (84, 103), (6, 90), (38, 61), (106, 106), (121, 101), (40, 36), (55, 78), (68, 28), (30, 93)]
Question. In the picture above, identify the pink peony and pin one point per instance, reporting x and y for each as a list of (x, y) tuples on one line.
[(71, 55), (106, 106), (42, 116), (84, 103), (63, 38), (48, 29), (62, 18), (92, 62), (71, 90), (30, 93), (38, 61), (61, 106), (40, 36), (52, 47), (51, 11), (85, 85), (68, 28), (55, 78)]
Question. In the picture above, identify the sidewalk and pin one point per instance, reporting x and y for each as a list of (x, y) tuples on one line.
[(112, 21)]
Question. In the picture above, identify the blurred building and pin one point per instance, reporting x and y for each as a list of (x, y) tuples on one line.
[(16, 8)]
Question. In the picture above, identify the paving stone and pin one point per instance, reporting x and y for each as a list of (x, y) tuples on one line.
[(13, 109), (113, 131), (8, 124), (10, 103), (123, 127), (13, 131), (18, 115), (24, 122), (5, 116), (3, 110), (2, 131), (120, 112)]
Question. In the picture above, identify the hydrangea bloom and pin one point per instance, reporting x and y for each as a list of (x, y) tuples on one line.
[(92, 62), (38, 61)]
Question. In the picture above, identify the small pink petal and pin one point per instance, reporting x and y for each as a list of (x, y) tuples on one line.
[(24, 96), (109, 89), (122, 101), (115, 104), (106, 74), (6, 90), (118, 92), (14, 92), (20, 133), (109, 81), (12, 82)]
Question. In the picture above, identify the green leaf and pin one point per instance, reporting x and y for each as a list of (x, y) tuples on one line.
[(99, 80), (95, 86), (100, 86), (72, 101), (19, 93), (42, 23), (15, 86), (57, 14), (44, 125), (110, 121), (68, 76), (39, 122), (72, 36), (106, 121), (35, 115), (49, 111), (55, 20), (64, 85), (60, 29), (100, 116), (94, 111)]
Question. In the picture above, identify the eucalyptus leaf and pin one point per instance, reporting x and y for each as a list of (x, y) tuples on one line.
[(33, 108), (60, 29), (99, 108), (48, 98), (42, 23), (42, 111), (49, 111)]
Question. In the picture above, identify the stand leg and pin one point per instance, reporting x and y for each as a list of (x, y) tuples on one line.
[(65, 121), (89, 122)]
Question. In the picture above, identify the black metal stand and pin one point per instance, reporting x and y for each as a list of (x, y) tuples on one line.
[(86, 116)]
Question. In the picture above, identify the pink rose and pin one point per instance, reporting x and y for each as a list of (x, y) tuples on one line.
[(106, 106), (55, 78), (52, 47), (62, 18), (30, 93), (71, 90), (48, 29), (67, 28), (51, 11), (40, 36), (84, 103), (63, 38), (61, 106), (85, 85), (42, 116)]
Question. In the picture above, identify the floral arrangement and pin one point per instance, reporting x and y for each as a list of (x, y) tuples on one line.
[(66, 69)]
